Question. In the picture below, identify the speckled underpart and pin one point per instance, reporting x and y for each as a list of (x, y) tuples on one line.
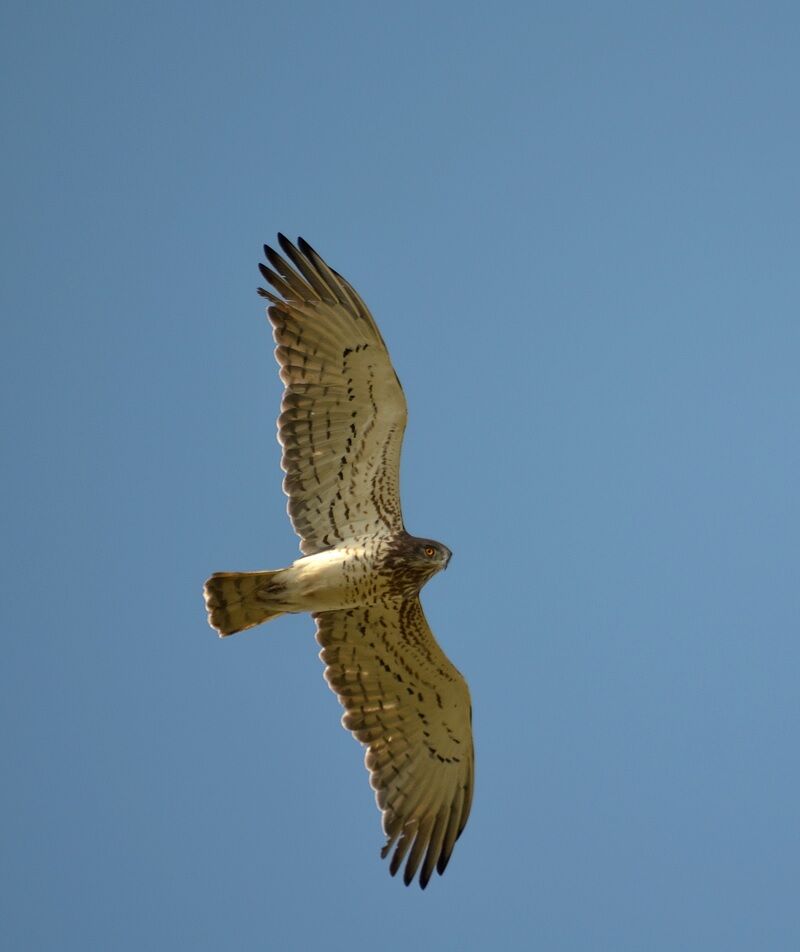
[(341, 425)]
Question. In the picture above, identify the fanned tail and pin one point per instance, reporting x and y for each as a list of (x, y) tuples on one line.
[(236, 601)]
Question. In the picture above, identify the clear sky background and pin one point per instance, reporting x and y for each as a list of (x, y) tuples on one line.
[(578, 226)]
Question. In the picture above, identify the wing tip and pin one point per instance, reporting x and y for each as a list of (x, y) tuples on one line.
[(286, 246), (306, 248)]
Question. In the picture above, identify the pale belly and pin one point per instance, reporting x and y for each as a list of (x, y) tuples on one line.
[(329, 581)]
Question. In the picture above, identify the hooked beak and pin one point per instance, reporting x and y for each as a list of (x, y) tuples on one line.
[(447, 560)]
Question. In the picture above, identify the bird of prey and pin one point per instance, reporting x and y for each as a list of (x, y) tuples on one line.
[(341, 427)]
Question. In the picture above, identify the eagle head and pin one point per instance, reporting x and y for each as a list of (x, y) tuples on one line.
[(412, 561), (430, 556)]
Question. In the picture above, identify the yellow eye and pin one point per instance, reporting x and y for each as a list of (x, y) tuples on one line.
[(430, 551)]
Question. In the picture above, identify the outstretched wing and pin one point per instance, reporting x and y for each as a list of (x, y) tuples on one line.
[(406, 702), (343, 411)]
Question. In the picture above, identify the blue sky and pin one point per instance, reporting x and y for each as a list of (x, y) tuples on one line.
[(578, 227)]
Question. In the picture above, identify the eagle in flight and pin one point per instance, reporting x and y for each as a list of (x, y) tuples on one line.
[(341, 427)]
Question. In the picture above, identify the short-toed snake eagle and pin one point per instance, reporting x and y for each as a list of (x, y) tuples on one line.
[(341, 427)]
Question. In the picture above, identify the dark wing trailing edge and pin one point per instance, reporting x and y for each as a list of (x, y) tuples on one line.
[(411, 708), (343, 412)]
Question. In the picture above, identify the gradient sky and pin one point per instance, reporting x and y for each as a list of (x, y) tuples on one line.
[(578, 226)]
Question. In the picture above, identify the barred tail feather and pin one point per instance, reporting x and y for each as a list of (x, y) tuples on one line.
[(236, 601)]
